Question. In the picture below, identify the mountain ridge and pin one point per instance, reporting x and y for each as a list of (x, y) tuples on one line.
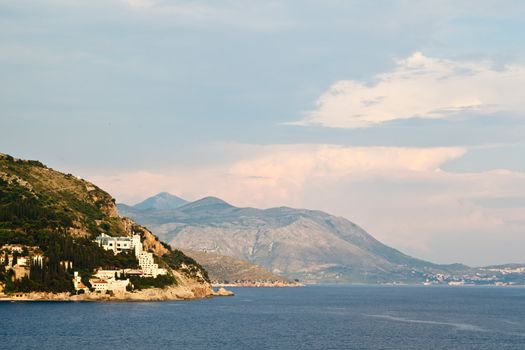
[(245, 233), (162, 200), (303, 244)]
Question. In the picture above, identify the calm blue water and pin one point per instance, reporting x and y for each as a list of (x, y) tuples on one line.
[(320, 317)]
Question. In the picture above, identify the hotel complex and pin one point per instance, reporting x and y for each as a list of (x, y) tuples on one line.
[(122, 244)]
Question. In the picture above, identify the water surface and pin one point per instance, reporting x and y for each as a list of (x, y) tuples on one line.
[(316, 317)]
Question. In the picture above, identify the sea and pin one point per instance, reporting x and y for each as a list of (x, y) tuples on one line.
[(312, 317)]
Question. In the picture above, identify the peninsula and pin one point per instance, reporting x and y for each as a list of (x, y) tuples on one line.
[(62, 238)]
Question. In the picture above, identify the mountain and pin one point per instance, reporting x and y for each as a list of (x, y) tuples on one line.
[(301, 244), (308, 245), (57, 216), (163, 200), (206, 205), (229, 270)]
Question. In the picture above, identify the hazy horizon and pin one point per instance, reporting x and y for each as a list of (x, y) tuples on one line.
[(403, 117)]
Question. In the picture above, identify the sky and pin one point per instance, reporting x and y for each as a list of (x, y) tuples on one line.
[(406, 117)]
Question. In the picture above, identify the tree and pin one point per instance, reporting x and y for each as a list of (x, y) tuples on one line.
[(9, 281)]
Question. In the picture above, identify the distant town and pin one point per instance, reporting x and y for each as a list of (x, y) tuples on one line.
[(497, 275)]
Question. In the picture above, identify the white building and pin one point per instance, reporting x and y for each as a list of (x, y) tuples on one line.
[(148, 265), (107, 274), (115, 244), (13, 248), (77, 283), (146, 260), (99, 285), (118, 286), (21, 261), (112, 284), (119, 244), (137, 245)]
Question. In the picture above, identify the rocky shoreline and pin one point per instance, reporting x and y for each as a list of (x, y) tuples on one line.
[(259, 284), (152, 294)]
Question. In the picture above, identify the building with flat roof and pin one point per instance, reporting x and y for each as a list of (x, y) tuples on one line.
[(115, 244), (148, 265), (99, 285), (119, 244)]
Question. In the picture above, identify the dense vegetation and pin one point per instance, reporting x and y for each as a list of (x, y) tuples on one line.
[(49, 277), (179, 261), (34, 197), (53, 275), (22, 210), (39, 207), (150, 282)]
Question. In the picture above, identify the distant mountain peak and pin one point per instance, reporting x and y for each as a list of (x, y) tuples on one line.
[(211, 200), (207, 202), (162, 200), (164, 194)]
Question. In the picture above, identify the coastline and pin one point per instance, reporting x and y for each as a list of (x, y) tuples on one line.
[(256, 284), (146, 295)]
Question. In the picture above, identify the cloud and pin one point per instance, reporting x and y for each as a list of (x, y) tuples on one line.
[(424, 87), (281, 174), (277, 174)]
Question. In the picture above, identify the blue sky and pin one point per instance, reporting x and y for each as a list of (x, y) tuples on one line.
[(404, 116)]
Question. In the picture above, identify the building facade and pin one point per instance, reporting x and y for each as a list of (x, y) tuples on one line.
[(115, 244), (119, 244)]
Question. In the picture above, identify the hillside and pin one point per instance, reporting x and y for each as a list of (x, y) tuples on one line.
[(229, 270), (48, 223), (308, 245)]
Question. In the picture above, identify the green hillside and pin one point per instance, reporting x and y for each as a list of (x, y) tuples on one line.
[(57, 216)]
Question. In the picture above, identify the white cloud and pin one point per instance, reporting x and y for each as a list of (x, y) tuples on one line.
[(281, 174), (276, 174), (424, 87)]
